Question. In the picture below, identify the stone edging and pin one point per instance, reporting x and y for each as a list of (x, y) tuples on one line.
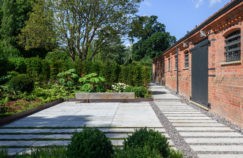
[(17, 116), (110, 100)]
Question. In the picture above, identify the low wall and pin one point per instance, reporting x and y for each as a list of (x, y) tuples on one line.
[(93, 96)]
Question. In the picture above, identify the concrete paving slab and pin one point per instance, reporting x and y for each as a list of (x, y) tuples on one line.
[(184, 115), (225, 155), (214, 140), (196, 124), (211, 134), (189, 118), (218, 148), (203, 129)]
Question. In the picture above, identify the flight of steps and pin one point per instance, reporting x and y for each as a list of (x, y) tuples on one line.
[(22, 139)]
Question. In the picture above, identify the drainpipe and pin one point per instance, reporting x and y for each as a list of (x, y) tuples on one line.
[(177, 71)]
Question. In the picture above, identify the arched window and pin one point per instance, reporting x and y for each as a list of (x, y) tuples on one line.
[(232, 46)]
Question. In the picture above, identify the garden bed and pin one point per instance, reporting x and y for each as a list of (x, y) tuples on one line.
[(9, 119)]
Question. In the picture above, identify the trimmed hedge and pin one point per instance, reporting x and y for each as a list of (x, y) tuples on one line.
[(148, 138), (90, 143)]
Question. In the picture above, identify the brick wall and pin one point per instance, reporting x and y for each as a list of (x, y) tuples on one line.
[(225, 81)]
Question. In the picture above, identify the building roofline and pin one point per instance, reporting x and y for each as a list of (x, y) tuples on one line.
[(223, 10)]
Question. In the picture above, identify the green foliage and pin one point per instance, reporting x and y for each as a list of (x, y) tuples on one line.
[(18, 64), (141, 152), (90, 143), (38, 31), (148, 138), (4, 66), (22, 83), (175, 154), (68, 78), (152, 37), (88, 19), (3, 153), (141, 92), (92, 83), (135, 74), (51, 152), (38, 69), (119, 87), (59, 62)]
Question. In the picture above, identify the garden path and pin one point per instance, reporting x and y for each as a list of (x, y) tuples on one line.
[(193, 130)]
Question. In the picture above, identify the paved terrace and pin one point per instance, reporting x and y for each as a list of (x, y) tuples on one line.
[(187, 128)]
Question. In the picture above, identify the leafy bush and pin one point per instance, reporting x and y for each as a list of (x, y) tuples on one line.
[(141, 91), (141, 152), (175, 154), (59, 62), (18, 64), (90, 143), (92, 83), (3, 153), (22, 83), (4, 66), (148, 138), (68, 78)]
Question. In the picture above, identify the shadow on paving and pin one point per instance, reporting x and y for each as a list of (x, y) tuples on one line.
[(59, 121)]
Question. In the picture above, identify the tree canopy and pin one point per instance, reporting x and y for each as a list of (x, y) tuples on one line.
[(87, 23), (152, 38)]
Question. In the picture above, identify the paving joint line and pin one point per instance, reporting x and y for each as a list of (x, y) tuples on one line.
[(177, 139)]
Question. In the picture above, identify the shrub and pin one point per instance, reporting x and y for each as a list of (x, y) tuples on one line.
[(34, 67), (18, 64), (175, 154), (141, 91), (152, 139), (90, 143), (4, 66), (22, 83), (68, 78), (142, 152), (3, 153), (92, 83)]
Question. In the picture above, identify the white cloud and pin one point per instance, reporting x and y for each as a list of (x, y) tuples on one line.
[(213, 2), (197, 3)]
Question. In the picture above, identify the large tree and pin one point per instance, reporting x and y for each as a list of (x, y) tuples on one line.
[(83, 25), (149, 37), (38, 32), (13, 14)]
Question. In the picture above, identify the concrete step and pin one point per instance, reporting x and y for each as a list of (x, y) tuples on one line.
[(203, 129), (214, 140), (68, 130), (218, 148), (211, 134), (223, 155), (196, 124)]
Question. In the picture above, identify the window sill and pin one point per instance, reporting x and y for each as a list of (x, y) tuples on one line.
[(175, 69), (187, 68), (230, 63)]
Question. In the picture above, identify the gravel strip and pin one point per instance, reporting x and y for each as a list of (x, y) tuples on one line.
[(178, 140)]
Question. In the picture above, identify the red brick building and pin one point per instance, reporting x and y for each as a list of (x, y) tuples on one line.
[(206, 66)]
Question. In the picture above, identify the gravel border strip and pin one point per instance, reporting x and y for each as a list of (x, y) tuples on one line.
[(178, 140)]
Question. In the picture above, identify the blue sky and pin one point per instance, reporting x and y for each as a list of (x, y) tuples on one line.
[(181, 16)]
